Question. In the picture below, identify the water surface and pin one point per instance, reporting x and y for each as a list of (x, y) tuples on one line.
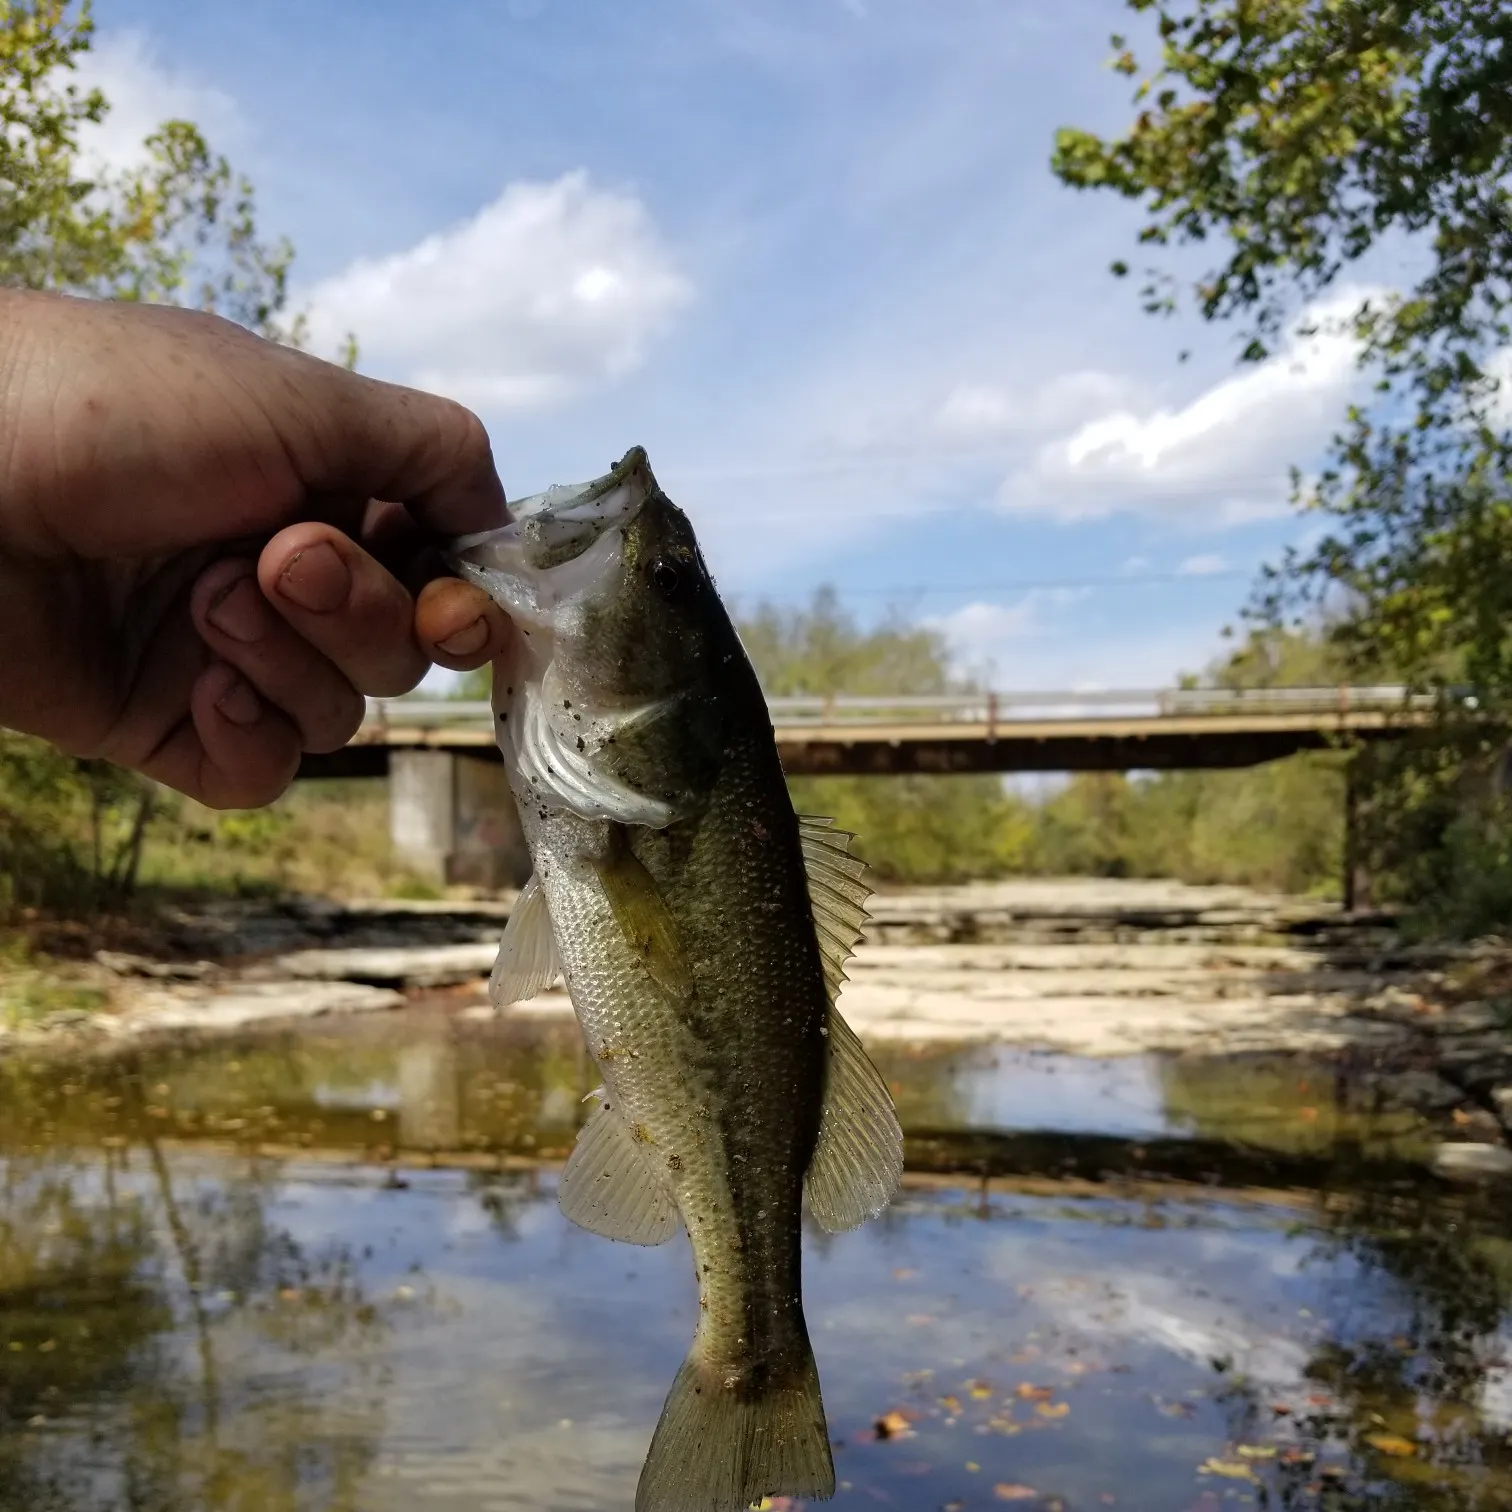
[(324, 1269)]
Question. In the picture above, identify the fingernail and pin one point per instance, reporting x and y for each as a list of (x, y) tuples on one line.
[(466, 641), (240, 611), (240, 704), (316, 579)]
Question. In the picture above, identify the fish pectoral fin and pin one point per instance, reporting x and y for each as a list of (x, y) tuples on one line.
[(614, 1184), (528, 962), (858, 1156), (644, 921), (838, 890)]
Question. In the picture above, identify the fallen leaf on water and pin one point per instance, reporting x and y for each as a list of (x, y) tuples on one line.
[(951, 1403), (1009, 1491), (892, 1425), (1297, 1457), (1053, 1409), (1004, 1425), (1027, 1393), (1023, 1356), (1391, 1443), (904, 1273), (1229, 1469), (980, 1390), (1256, 1451)]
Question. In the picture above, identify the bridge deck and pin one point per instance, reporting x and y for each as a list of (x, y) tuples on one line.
[(982, 733)]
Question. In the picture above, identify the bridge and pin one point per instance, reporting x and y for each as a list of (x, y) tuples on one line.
[(452, 816)]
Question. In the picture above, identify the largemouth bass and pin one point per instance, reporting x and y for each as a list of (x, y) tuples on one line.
[(702, 928)]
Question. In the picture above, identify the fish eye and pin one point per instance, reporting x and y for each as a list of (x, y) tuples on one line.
[(665, 578)]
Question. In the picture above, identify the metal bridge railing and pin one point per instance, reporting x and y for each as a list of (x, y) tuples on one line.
[(989, 708)]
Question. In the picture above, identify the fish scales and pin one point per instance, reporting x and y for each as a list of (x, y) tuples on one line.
[(725, 1091), (681, 897)]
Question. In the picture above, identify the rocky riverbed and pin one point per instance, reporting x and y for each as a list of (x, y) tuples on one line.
[(1089, 968)]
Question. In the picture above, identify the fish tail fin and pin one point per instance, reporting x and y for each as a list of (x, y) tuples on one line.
[(718, 1449)]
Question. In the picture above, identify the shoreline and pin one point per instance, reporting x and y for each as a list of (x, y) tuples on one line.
[(1094, 969)]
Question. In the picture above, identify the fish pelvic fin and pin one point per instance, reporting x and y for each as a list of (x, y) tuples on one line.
[(720, 1448), (528, 963)]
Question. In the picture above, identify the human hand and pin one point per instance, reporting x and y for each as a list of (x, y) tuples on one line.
[(195, 579)]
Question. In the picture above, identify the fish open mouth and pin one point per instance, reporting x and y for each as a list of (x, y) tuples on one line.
[(558, 542)]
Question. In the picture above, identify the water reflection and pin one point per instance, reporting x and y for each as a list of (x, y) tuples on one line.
[(201, 1311)]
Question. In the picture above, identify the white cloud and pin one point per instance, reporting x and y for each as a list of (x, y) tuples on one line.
[(143, 92), (1499, 403), (987, 412), (550, 289), (1219, 460), (1033, 644), (1205, 565)]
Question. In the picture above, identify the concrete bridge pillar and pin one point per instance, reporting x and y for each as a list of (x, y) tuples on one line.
[(452, 819)]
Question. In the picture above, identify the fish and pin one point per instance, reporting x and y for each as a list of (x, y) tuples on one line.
[(702, 929)]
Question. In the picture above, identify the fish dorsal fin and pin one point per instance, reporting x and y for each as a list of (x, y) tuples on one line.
[(528, 963), (838, 891), (613, 1183), (858, 1156)]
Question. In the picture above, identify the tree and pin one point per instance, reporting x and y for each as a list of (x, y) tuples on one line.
[(178, 229), (1298, 136), (1301, 135)]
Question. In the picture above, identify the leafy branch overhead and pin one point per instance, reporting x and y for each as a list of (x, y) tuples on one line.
[(179, 227), (1291, 138)]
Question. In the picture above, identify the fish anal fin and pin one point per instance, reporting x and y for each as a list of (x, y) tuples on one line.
[(858, 1156), (612, 1184), (528, 963)]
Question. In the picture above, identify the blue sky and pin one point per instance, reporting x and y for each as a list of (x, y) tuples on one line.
[(809, 253)]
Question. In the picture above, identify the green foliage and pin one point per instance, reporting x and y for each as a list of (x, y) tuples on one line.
[(916, 829), (819, 650), (178, 229), (327, 838), (71, 833), (1296, 136)]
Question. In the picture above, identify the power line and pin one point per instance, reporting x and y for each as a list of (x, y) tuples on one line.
[(1010, 585)]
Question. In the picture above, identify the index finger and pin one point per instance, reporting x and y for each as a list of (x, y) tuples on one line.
[(384, 441)]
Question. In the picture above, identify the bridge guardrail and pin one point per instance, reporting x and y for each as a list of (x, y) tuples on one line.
[(991, 708)]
